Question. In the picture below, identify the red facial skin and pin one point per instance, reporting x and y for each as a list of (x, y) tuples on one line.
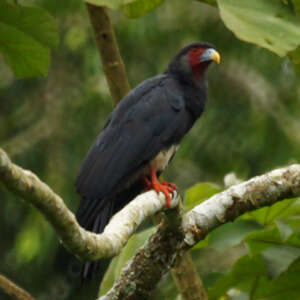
[(194, 60)]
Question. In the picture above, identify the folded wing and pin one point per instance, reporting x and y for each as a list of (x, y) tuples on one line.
[(147, 121)]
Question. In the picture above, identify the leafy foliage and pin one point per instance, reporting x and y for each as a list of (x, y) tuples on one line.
[(199, 193), (26, 36), (243, 276), (297, 7), (114, 270), (268, 24), (131, 8), (295, 58), (138, 8)]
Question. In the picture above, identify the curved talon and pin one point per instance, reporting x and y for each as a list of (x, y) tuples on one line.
[(164, 187), (158, 187), (171, 185)]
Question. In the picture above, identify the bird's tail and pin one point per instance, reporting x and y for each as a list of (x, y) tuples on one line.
[(90, 268), (112, 206)]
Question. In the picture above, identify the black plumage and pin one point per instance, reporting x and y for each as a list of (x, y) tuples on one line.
[(152, 118)]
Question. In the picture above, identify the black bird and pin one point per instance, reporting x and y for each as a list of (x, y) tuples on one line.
[(141, 137)]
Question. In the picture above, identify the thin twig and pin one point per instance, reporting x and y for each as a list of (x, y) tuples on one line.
[(14, 290)]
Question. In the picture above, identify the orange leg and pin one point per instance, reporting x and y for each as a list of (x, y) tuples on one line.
[(164, 187)]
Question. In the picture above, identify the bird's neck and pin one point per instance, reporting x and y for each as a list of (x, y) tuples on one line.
[(199, 72), (196, 97), (194, 87)]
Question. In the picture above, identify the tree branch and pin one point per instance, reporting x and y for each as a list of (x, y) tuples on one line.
[(257, 192), (113, 65), (13, 290), (84, 244), (165, 247), (173, 237), (169, 243)]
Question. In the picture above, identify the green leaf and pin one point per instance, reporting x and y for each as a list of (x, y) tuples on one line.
[(115, 267), (242, 276), (26, 34), (138, 8), (282, 209), (109, 277), (261, 240), (285, 229), (201, 244), (113, 4), (279, 258), (231, 234), (210, 2), (286, 286), (269, 24), (131, 8), (295, 59), (199, 193), (297, 6)]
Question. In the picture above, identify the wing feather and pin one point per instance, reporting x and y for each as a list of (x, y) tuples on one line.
[(148, 120)]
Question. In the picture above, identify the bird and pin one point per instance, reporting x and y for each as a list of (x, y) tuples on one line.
[(140, 139)]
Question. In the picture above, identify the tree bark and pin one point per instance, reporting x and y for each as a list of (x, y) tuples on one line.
[(173, 237), (188, 280), (13, 290), (106, 42), (166, 247)]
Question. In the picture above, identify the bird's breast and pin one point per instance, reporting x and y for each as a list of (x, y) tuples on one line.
[(162, 159)]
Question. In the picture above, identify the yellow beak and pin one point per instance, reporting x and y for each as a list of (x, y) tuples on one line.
[(215, 56), (210, 54)]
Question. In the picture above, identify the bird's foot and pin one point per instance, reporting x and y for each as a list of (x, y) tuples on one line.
[(171, 185), (153, 183), (165, 187)]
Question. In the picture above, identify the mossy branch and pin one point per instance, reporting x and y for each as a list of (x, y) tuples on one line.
[(166, 247), (172, 239)]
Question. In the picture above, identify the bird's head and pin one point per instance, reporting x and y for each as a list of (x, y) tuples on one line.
[(192, 61)]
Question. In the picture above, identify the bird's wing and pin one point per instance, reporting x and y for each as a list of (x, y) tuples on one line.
[(149, 119)]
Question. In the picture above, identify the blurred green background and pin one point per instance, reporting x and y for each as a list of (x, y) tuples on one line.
[(251, 124)]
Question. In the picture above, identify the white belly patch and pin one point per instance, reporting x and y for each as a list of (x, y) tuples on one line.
[(161, 161)]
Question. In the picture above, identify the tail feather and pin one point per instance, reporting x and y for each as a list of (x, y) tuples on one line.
[(90, 268), (96, 223)]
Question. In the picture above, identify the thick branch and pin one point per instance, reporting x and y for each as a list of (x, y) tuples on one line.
[(84, 244), (185, 274), (13, 290), (252, 194), (168, 245), (109, 51)]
